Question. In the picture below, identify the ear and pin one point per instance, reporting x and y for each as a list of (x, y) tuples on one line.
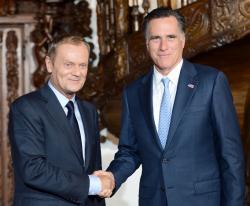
[(147, 43), (49, 64), (183, 41)]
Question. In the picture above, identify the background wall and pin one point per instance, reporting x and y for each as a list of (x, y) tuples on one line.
[(127, 195)]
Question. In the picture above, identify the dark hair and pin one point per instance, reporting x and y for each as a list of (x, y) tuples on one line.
[(65, 39), (162, 12)]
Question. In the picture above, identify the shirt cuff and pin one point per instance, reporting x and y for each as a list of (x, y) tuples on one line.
[(94, 185)]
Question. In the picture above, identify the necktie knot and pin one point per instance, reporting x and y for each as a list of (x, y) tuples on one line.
[(165, 82), (70, 107)]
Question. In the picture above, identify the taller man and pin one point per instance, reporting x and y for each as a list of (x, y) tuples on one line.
[(180, 124)]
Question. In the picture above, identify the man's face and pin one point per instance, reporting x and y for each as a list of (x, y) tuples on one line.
[(68, 68), (165, 43)]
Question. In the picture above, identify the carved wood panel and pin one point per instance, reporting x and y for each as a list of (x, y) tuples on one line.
[(7, 7), (13, 83), (226, 28), (9, 91)]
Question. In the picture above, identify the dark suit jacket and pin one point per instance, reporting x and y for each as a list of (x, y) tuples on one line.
[(202, 163), (48, 167)]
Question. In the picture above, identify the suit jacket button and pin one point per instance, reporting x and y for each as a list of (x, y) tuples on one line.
[(165, 160), (162, 189)]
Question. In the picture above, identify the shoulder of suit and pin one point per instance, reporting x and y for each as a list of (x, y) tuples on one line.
[(202, 68), (29, 98), (87, 104), (206, 71), (139, 81)]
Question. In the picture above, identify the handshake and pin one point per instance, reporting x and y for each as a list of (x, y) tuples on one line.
[(107, 183)]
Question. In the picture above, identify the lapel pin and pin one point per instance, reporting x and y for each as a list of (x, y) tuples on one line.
[(190, 86)]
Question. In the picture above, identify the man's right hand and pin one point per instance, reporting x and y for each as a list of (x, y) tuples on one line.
[(107, 181)]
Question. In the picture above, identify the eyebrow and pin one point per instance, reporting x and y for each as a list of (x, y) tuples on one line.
[(158, 36)]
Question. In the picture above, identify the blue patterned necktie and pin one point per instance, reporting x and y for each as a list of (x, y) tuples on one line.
[(165, 114)]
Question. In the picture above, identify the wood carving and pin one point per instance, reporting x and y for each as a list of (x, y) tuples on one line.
[(145, 6), (166, 3), (57, 19), (1, 126), (41, 37), (121, 15), (12, 85), (222, 12), (12, 73), (104, 26), (244, 16), (198, 27), (226, 28), (7, 7)]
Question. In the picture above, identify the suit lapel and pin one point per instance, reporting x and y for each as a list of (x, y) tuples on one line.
[(146, 101), (86, 124), (57, 113), (187, 85)]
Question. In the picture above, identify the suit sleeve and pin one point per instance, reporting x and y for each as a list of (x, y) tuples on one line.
[(28, 141), (98, 161), (126, 160), (228, 143)]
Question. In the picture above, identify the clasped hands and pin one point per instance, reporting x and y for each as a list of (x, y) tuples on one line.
[(107, 182)]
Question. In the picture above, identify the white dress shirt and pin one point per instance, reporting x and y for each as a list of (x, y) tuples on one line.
[(94, 182), (158, 89), (64, 101)]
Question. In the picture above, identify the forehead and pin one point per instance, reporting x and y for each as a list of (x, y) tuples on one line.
[(68, 45), (164, 24), (72, 50)]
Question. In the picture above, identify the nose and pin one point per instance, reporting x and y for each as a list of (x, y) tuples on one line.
[(163, 44), (76, 71)]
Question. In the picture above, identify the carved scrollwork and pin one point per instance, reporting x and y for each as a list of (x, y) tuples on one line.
[(121, 60), (222, 12), (244, 16), (12, 84), (58, 18), (1, 36), (226, 29), (11, 63), (244, 8), (7, 7), (198, 26), (41, 37), (198, 18)]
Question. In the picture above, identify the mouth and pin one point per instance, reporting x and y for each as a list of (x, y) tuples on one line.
[(164, 55), (75, 82)]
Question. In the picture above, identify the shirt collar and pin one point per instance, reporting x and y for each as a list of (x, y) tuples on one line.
[(173, 74), (61, 98)]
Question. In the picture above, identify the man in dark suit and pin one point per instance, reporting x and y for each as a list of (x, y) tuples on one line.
[(180, 124), (55, 137)]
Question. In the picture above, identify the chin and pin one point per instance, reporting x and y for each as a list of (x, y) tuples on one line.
[(73, 90), (165, 67)]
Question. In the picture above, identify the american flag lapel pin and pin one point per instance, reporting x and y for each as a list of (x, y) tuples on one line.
[(190, 86)]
